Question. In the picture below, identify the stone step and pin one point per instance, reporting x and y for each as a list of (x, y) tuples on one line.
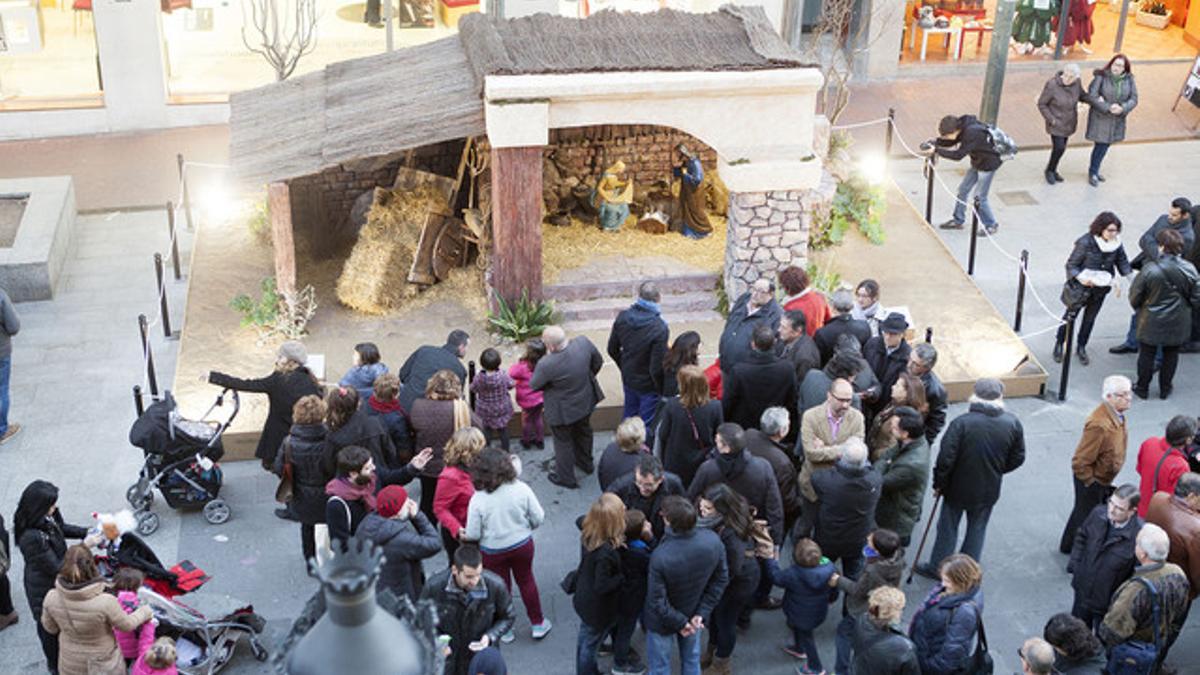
[(626, 289), (673, 319), (607, 308)]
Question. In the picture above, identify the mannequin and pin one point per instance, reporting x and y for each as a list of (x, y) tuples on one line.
[(1032, 25), (1079, 25)]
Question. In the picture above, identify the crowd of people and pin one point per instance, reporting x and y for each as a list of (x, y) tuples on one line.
[(800, 459)]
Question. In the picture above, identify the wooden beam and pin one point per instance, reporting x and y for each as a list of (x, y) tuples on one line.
[(517, 222), (279, 210)]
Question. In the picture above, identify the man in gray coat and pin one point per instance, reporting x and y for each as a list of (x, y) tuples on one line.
[(566, 376), (10, 324)]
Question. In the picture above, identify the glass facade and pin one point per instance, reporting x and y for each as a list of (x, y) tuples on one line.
[(48, 54)]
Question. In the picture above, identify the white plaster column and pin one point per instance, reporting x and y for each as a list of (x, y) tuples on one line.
[(878, 54), (129, 39)]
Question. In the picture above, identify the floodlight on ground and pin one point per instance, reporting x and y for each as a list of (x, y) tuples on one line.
[(873, 167), (215, 203)]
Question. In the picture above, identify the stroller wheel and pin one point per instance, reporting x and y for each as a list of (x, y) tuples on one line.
[(216, 511), (258, 650), (147, 523), (137, 499)]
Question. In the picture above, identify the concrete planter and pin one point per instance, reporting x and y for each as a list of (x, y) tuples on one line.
[(1158, 21)]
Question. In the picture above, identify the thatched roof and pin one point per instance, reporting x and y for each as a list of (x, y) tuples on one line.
[(381, 105)]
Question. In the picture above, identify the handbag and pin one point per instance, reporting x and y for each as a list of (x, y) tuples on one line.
[(1134, 657), (1075, 295), (287, 486), (981, 661), (704, 450), (321, 535)]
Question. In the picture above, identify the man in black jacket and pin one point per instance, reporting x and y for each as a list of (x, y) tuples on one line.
[(843, 323), (688, 574), (427, 360), (795, 346), (646, 488), (847, 495), (759, 382), (1102, 557), (959, 137), (637, 344), (767, 443), (921, 361), (979, 448), (887, 355), (473, 607), (749, 476), (755, 307), (1177, 218)]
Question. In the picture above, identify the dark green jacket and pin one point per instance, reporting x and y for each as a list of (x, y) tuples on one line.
[(1164, 294), (905, 470)]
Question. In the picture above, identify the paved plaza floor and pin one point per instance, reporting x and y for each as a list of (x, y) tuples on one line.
[(78, 356)]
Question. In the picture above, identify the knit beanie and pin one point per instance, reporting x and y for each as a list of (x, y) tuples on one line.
[(390, 500)]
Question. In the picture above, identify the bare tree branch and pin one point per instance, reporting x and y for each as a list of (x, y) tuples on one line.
[(272, 20), (833, 45)]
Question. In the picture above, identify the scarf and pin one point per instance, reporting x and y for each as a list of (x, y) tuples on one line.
[(1107, 246), (351, 491), (731, 464), (385, 406), (864, 314), (646, 304), (713, 523)]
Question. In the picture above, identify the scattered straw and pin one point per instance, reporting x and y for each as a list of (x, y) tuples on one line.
[(565, 248)]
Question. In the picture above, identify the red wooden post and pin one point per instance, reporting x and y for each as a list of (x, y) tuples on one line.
[(517, 222), (279, 209)]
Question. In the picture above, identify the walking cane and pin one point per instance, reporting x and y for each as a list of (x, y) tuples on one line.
[(921, 547)]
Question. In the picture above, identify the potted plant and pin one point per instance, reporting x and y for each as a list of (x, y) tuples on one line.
[(1153, 13)]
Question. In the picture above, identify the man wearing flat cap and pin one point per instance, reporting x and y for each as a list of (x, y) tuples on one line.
[(979, 447), (887, 354)]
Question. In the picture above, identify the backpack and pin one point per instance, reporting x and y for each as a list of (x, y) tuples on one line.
[(1134, 657), (1004, 144)]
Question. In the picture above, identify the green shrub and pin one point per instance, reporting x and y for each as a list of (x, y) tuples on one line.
[(272, 313), (523, 320), (856, 203), (262, 312), (824, 279), (259, 222)]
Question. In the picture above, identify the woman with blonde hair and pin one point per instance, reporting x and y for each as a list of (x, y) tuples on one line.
[(290, 381), (880, 648), (944, 629), (688, 425), (598, 581), (455, 488), (434, 418), (83, 614), (622, 454)]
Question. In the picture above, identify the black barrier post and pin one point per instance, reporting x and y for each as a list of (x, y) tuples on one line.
[(929, 334), (929, 169), (974, 238), (887, 138), (470, 379), (138, 407), (187, 202), (174, 239), (1066, 362), (162, 296), (1021, 290), (143, 328)]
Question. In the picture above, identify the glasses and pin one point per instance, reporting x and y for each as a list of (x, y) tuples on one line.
[(1117, 506), (1121, 394), (1114, 230), (839, 399)]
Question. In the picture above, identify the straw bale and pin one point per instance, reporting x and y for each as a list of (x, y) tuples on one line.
[(574, 246), (374, 278)]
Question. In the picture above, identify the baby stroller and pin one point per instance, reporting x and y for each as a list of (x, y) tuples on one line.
[(181, 461), (205, 645)]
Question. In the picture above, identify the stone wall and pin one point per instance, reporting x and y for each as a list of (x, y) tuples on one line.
[(768, 231)]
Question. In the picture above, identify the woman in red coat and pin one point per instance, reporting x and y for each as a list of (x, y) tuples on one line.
[(454, 486), (803, 297)]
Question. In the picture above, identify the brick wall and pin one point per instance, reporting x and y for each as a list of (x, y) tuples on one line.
[(648, 151)]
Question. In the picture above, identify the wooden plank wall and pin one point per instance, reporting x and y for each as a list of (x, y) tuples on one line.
[(517, 222)]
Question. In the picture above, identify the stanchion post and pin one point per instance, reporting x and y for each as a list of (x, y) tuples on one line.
[(151, 378), (929, 334), (974, 238), (173, 239), (1021, 290), (138, 406), (887, 138), (930, 163), (1065, 377), (162, 296), (470, 379), (187, 201)]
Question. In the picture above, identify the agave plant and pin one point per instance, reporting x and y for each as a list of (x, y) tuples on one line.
[(522, 320)]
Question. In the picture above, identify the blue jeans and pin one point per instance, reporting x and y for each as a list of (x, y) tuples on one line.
[(1099, 150), (585, 649), (845, 642), (641, 404), (947, 532), (5, 372), (658, 653), (622, 635), (982, 181)]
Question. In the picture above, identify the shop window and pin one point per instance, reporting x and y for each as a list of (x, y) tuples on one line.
[(48, 54), (206, 58)]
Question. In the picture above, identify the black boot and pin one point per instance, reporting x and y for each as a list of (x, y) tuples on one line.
[(1058, 352), (1083, 355), (1050, 177)]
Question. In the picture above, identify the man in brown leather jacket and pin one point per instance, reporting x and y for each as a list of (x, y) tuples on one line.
[(1100, 454), (1179, 516)]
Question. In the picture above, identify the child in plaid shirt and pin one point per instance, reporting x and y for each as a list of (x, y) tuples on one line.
[(493, 405)]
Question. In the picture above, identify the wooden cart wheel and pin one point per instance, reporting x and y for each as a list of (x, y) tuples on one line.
[(449, 248)]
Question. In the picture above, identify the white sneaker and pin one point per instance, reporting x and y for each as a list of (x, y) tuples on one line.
[(508, 637), (540, 630)]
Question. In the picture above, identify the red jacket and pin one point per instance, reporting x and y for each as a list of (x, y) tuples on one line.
[(452, 497), (1172, 468), (816, 310)]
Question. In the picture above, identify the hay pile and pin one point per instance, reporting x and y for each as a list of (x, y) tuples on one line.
[(374, 278), (573, 246)]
